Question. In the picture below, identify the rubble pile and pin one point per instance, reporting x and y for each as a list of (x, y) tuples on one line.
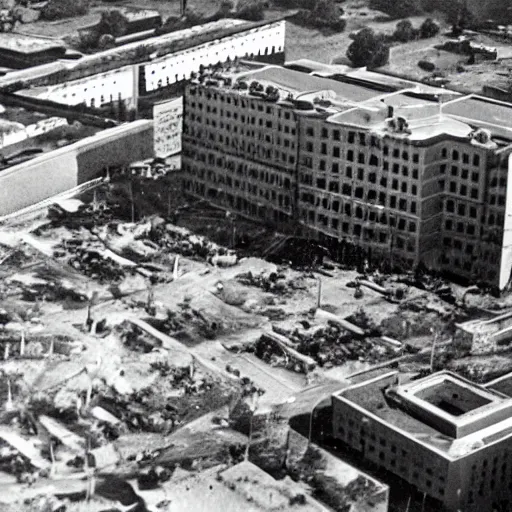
[(37, 287), (91, 263), (85, 216), (273, 282), (136, 339), (180, 396), (181, 241), (329, 346)]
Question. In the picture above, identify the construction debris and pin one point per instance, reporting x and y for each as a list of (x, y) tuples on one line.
[(327, 346)]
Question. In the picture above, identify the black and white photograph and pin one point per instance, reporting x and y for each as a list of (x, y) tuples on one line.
[(255, 256)]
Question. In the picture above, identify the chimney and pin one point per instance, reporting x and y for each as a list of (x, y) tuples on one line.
[(391, 111)]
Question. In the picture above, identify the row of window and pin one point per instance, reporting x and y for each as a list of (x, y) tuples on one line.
[(243, 102), (465, 158), (372, 196), (357, 212), (396, 460), (463, 173)]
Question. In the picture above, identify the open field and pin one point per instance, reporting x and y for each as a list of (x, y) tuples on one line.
[(302, 42)]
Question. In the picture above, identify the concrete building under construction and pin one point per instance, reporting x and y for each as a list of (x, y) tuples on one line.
[(400, 175), (448, 437)]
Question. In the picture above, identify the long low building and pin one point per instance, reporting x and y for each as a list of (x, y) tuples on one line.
[(161, 64), (414, 176), (60, 170)]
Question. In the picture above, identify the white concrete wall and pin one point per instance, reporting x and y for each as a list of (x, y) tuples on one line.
[(178, 66), (100, 88), (506, 248), (32, 130), (40, 178)]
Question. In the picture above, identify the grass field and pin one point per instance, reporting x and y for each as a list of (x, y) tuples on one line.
[(313, 44)]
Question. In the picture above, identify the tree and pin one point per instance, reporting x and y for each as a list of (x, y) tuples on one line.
[(368, 49), (112, 22), (326, 10), (458, 15), (57, 9), (252, 10), (397, 9), (404, 31), (429, 28)]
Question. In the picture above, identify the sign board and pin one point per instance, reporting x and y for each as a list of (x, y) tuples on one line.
[(168, 123)]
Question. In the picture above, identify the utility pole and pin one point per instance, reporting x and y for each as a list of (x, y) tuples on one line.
[(432, 352), (169, 201), (132, 200), (319, 293)]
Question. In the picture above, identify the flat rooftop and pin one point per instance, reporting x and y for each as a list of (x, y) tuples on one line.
[(27, 44), (241, 487), (130, 53), (424, 410), (342, 72), (494, 115), (297, 82), (363, 86), (501, 385), (430, 111)]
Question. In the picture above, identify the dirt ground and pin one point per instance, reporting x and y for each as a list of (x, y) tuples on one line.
[(453, 67), (148, 342)]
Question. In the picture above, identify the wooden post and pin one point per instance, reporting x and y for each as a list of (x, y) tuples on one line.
[(132, 200), (432, 352), (9, 405)]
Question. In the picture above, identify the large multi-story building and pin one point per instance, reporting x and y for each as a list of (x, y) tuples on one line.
[(400, 175), (450, 438)]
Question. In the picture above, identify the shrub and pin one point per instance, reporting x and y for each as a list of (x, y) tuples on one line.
[(429, 28), (368, 49), (323, 14), (112, 22), (58, 9), (404, 31), (397, 9), (426, 65), (106, 41), (251, 10)]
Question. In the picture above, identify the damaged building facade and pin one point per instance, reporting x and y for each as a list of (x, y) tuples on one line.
[(399, 175), (446, 436)]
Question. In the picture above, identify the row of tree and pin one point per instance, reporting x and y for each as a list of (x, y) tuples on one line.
[(455, 11), (322, 14), (371, 49)]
